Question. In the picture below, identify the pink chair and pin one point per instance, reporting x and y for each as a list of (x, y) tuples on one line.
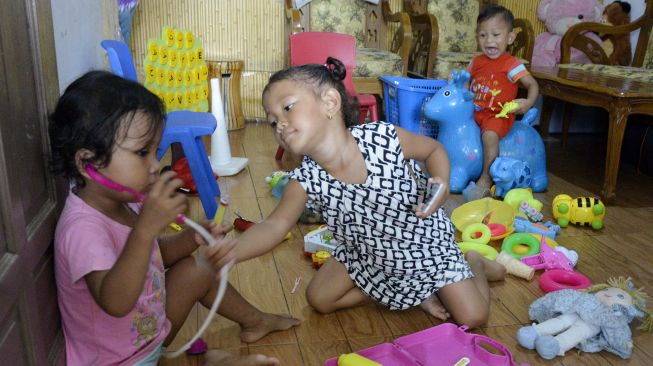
[(314, 48)]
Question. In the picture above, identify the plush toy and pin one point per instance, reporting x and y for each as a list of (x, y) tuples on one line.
[(558, 16), (591, 321), (617, 45)]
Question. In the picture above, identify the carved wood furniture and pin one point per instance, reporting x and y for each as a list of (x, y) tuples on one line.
[(619, 96), (457, 45), (641, 67), (620, 90), (229, 72), (376, 54)]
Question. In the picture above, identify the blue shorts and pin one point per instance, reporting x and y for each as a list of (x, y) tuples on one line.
[(153, 358)]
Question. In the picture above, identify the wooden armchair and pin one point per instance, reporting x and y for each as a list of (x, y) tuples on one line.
[(595, 52), (456, 43), (620, 90), (641, 68), (371, 24)]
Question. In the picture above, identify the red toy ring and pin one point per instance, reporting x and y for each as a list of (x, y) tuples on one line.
[(497, 229), (558, 279)]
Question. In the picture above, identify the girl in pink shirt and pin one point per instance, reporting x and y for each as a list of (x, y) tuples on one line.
[(123, 292)]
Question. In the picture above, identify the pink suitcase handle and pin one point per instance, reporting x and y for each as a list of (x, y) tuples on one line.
[(480, 339)]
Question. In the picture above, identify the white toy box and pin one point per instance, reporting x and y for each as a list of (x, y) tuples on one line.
[(319, 239)]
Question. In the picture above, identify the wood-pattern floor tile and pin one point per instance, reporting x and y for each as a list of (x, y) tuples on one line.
[(623, 247)]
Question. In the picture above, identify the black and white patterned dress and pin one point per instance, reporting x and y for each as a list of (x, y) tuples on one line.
[(392, 255)]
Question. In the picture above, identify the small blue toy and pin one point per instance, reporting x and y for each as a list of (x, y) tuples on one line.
[(522, 225), (277, 181), (509, 173), (452, 108)]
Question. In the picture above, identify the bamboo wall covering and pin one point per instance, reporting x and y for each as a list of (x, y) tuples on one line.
[(526, 9), (247, 30)]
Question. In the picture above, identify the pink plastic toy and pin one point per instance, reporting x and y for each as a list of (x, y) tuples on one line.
[(197, 348), (497, 229), (558, 279), (548, 259), (445, 344)]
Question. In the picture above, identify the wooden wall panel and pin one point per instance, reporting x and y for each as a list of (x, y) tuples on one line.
[(248, 30)]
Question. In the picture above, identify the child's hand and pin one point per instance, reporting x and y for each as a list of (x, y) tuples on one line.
[(524, 106), (217, 231), (221, 254), (162, 204), (422, 211)]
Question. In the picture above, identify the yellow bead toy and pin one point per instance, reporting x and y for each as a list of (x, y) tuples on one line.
[(179, 39), (163, 56), (200, 53), (160, 76), (169, 36), (172, 57), (190, 39), (152, 50), (150, 75)]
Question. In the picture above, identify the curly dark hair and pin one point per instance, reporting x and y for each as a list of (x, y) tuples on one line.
[(91, 113), (331, 74), (492, 11)]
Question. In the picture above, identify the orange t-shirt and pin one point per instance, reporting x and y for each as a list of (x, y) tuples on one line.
[(494, 81)]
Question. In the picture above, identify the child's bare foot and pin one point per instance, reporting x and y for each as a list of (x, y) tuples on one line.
[(266, 324), (476, 191), (216, 357), (493, 271), (484, 182), (433, 306)]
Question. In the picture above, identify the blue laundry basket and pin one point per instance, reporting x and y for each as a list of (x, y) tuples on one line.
[(404, 100)]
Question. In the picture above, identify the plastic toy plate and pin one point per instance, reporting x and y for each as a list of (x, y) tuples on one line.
[(445, 344)]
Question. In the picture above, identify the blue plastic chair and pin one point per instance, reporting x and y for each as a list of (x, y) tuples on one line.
[(120, 59), (184, 127)]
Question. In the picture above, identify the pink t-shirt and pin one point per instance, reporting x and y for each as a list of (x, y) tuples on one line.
[(86, 241)]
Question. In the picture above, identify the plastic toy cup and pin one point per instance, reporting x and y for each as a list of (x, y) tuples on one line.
[(475, 211)]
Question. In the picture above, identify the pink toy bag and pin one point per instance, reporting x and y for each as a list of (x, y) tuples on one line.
[(445, 344)]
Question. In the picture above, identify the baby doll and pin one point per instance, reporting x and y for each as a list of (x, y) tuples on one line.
[(592, 321)]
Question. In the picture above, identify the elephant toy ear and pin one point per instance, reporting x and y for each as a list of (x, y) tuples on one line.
[(467, 95)]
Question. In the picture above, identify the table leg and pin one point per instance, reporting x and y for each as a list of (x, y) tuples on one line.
[(567, 109), (619, 110), (545, 117)]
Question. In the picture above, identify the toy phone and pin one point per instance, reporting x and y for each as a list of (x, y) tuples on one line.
[(431, 194)]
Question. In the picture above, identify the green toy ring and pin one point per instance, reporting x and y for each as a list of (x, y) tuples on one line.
[(472, 229), (530, 241), (482, 249)]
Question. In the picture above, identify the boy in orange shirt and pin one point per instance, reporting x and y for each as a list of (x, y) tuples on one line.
[(494, 76)]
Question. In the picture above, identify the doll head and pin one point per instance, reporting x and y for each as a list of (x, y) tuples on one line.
[(620, 293)]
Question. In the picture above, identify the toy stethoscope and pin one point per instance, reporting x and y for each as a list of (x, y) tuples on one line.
[(182, 219)]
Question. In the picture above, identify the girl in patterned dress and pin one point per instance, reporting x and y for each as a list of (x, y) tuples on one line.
[(365, 181)]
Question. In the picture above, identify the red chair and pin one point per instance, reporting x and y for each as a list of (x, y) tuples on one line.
[(314, 48)]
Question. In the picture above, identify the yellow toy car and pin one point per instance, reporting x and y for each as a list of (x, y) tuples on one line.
[(587, 211)]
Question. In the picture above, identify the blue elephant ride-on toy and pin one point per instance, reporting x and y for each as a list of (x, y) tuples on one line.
[(522, 159)]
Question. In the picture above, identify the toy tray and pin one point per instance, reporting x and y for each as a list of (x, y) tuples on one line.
[(445, 344)]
